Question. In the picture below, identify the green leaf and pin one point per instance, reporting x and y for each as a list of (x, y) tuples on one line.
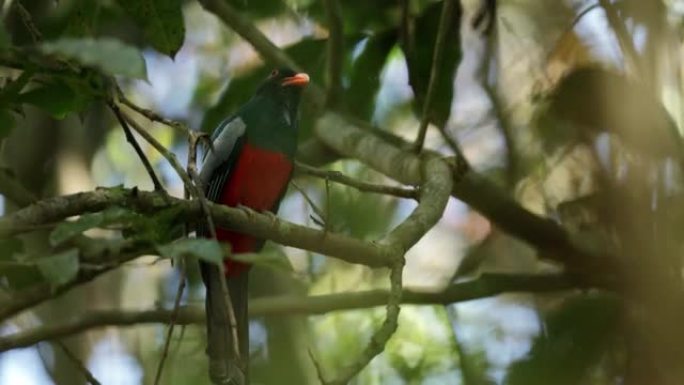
[(161, 20), (419, 53), (82, 18), (109, 55), (4, 37), (7, 123), (69, 229), (274, 259), (57, 98), (207, 250), (365, 74), (59, 268), (9, 247), (574, 338)]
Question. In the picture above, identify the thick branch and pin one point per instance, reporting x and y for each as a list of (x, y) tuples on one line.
[(498, 206), (243, 220), (486, 286)]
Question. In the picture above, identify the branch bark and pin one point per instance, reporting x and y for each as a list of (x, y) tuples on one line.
[(485, 286)]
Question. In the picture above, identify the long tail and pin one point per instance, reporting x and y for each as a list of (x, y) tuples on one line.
[(225, 367)]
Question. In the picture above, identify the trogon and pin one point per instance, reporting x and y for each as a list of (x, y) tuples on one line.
[(249, 164)]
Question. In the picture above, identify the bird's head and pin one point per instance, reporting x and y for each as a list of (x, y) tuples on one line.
[(285, 86)]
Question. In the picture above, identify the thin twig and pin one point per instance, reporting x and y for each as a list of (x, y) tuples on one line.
[(134, 143), (28, 22), (336, 176), (172, 324), (323, 217), (152, 115), (382, 335), (77, 362), (335, 56), (440, 43)]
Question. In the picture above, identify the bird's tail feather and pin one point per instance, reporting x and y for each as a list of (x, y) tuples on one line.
[(225, 367)]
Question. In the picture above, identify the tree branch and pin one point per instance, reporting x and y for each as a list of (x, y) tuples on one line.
[(14, 191), (349, 140), (485, 286), (338, 177)]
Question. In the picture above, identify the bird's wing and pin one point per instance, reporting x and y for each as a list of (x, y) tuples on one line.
[(220, 158)]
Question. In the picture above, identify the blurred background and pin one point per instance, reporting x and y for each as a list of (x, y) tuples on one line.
[(573, 107)]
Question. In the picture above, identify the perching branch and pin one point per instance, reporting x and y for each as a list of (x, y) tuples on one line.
[(440, 43), (485, 286)]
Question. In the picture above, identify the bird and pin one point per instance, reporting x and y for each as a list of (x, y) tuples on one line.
[(248, 164)]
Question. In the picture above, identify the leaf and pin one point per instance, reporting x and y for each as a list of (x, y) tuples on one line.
[(259, 9), (9, 247), (57, 98), (575, 337), (595, 100), (60, 268), (161, 20), (109, 55), (274, 259), (207, 250), (7, 123), (82, 18), (419, 53), (69, 229), (365, 74), (4, 36)]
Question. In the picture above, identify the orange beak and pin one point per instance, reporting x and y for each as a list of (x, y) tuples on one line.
[(298, 80)]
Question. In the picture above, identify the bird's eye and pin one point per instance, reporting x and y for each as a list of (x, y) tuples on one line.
[(274, 73)]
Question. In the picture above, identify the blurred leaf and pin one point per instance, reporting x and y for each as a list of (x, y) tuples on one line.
[(110, 55), (57, 98), (273, 259), (365, 74), (59, 268), (7, 123), (161, 20), (361, 15), (82, 18), (419, 52), (592, 100), (575, 337), (207, 250), (9, 247), (4, 36), (69, 229), (259, 9)]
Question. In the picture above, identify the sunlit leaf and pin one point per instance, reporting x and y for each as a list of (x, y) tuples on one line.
[(161, 20), (207, 250), (69, 229), (109, 55), (60, 268)]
